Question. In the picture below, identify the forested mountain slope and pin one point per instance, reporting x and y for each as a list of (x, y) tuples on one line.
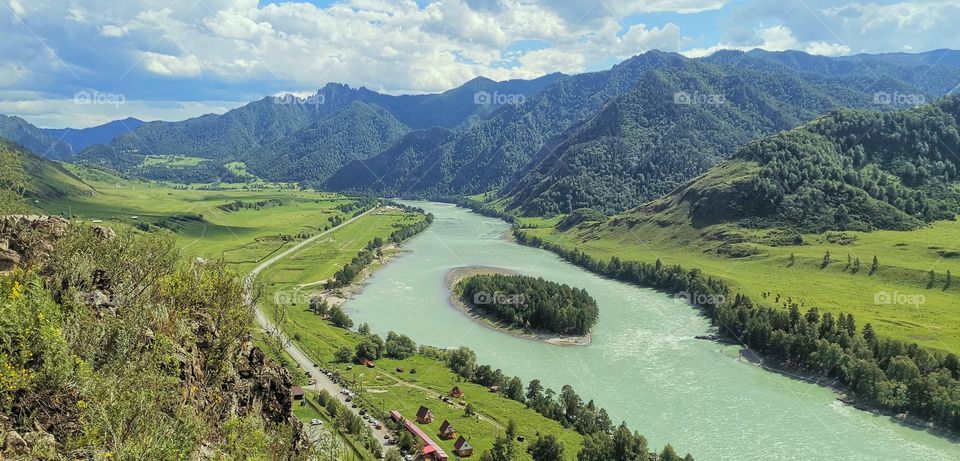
[(611, 140), (22, 132), (673, 125), (259, 124), (357, 132), (848, 169)]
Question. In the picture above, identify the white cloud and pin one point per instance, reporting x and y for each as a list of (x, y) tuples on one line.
[(775, 38), (174, 66)]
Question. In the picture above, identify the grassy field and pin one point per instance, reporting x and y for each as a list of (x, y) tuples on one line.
[(384, 388), (759, 261), (242, 238), (173, 161), (249, 235)]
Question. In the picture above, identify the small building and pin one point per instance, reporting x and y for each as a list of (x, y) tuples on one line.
[(494, 389), (424, 415), (462, 448), (447, 431), (395, 416), (431, 451), (456, 392), (297, 392), (368, 363)]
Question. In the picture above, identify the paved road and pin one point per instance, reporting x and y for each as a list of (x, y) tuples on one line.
[(323, 382)]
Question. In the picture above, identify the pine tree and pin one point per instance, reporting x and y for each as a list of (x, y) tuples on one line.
[(875, 266)]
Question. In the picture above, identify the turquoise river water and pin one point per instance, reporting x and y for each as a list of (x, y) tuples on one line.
[(644, 365)]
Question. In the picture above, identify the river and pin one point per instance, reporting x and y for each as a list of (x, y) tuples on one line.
[(644, 365)]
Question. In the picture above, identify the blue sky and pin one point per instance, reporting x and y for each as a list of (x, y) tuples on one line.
[(174, 59)]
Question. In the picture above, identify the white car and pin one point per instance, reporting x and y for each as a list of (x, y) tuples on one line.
[(316, 422)]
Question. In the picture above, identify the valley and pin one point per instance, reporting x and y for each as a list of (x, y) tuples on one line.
[(700, 253)]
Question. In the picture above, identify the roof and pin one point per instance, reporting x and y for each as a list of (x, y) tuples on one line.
[(427, 441), (296, 390), (462, 444), (446, 427), (456, 389), (395, 415), (423, 412)]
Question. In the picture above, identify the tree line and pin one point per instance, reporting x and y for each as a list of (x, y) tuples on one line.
[(531, 303), (892, 375)]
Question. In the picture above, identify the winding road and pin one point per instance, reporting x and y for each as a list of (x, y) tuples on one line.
[(323, 382)]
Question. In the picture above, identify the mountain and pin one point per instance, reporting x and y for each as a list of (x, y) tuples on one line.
[(856, 170), (357, 132), (34, 139), (613, 139), (674, 124), (259, 124), (25, 177), (485, 155), (79, 139)]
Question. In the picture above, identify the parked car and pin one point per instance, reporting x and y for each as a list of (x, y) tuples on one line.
[(316, 422)]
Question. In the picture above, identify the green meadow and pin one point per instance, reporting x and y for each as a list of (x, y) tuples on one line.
[(899, 298)]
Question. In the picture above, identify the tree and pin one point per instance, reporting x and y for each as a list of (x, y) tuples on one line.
[(393, 454), (339, 318), (514, 390), (370, 348), (364, 329), (319, 307), (504, 449), (546, 448), (399, 346), (463, 362), (668, 454), (405, 442), (469, 411), (343, 355), (875, 266)]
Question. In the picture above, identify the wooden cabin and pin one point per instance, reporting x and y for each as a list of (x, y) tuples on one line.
[(462, 448), (447, 431), (424, 415), (456, 392), (297, 392)]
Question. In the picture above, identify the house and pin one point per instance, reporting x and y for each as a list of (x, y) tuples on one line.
[(456, 392), (431, 451), (494, 389), (368, 363), (447, 431), (462, 448), (297, 392), (424, 415)]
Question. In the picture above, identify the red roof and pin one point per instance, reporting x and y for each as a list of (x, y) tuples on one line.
[(395, 415), (428, 443)]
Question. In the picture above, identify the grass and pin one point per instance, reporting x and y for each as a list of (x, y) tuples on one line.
[(172, 161), (242, 238), (384, 387), (753, 262), (249, 235)]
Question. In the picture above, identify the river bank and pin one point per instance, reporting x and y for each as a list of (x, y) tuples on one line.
[(453, 278), (338, 296)]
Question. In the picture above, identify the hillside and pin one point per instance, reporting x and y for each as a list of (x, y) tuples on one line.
[(114, 349), (80, 138), (25, 177), (357, 132), (34, 139), (260, 124), (610, 139), (847, 170), (643, 144)]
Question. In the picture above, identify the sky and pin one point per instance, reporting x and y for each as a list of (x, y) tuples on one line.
[(80, 63)]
